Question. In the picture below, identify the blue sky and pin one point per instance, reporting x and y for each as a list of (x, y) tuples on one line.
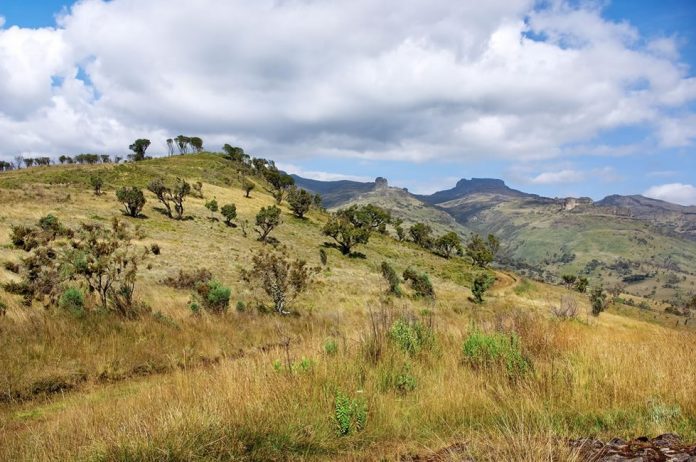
[(557, 98)]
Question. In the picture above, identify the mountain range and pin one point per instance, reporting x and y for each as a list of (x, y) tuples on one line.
[(646, 244)]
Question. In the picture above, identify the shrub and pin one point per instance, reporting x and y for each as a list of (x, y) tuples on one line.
[(598, 300), (300, 201), (393, 280), (350, 414), (73, 301), (281, 278), (212, 205), (229, 211), (189, 279), (411, 336), (241, 306), (449, 244), (133, 200), (481, 350), (482, 252), (346, 233), (197, 189), (155, 249), (266, 221), (482, 282), (421, 234), (168, 196), (216, 297), (247, 186), (323, 258), (420, 283), (97, 184), (581, 284)]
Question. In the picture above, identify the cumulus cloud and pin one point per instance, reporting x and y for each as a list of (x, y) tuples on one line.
[(319, 175), (411, 81), (563, 176), (677, 193)]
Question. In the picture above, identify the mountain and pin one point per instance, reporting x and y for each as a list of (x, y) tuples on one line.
[(466, 187), (646, 243)]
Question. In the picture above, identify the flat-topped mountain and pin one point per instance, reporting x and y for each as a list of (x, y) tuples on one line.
[(466, 187)]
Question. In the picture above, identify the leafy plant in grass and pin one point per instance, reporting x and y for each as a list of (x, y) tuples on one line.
[(482, 350), (229, 211), (393, 280), (481, 283), (212, 205), (350, 414), (133, 200), (598, 300), (73, 301), (331, 347), (411, 336), (420, 283), (213, 295), (581, 284)]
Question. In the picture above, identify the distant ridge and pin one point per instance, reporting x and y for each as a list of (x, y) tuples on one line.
[(465, 187)]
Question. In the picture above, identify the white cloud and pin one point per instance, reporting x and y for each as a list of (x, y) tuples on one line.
[(563, 176), (318, 175), (347, 78), (677, 193)]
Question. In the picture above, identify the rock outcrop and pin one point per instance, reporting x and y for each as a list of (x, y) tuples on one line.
[(664, 448)]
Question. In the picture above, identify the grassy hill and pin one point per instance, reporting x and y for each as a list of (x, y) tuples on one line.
[(352, 374)]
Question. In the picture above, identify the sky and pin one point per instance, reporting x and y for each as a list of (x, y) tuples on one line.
[(560, 98)]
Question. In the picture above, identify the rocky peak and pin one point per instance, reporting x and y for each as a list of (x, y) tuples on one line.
[(381, 183)]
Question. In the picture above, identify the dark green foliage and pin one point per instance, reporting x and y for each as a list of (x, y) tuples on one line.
[(393, 280), (449, 244), (266, 220), (482, 252), (229, 211), (348, 227), (97, 184), (155, 248), (281, 279), (133, 200), (48, 228), (569, 280), (300, 201), (331, 347), (482, 351), (247, 186), (598, 300), (212, 205), (581, 284), (400, 232), (171, 196), (481, 283), (420, 283), (196, 143), (214, 296), (421, 234), (235, 153), (73, 301), (280, 182), (139, 147)]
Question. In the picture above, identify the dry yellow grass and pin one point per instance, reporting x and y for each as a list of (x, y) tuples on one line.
[(177, 387)]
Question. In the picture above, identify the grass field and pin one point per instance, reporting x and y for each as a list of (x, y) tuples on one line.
[(353, 375)]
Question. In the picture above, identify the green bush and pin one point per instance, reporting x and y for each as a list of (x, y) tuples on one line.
[(420, 283), (350, 414), (73, 301), (411, 336), (393, 280), (482, 282), (482, 350), (218, 297), (331, 347)]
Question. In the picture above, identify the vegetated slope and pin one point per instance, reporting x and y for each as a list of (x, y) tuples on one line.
[(644, 243), (334, 193), (354, 373)]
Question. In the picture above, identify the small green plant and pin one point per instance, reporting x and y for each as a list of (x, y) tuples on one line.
[(393, 280), (598, 300), (194, 307), (405, 380), (350, 414), (411, 336), (73, 301), (241, 306), (482, 350), (212, 205), (303, 365), (218, 297), (331, 347), (97, 184)]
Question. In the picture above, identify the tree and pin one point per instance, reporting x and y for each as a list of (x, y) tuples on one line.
[(300, 201), (267, 219), (62, 159), (139, 147), (180, 190), (420, 283), (235, 153), (482, 252), (448, 244), (281, 278), (373, 217), (182, 142), (400, 232), (598, 300), (163, 194), (229, 211), (280, 181), (196, 143), (170, 146), (132, 199), (346, 233), (105, 159), (569, 280), (97, 184), (212, 205), (247, 186), (28, 162), (581, 284), (421, 234), (482, 282)]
